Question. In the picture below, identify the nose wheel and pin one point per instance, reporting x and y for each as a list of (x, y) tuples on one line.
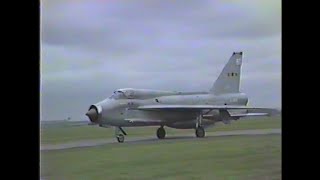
[(120, 138), (161, 133), (119, 133)]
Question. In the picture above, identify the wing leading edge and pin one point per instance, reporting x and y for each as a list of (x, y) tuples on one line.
[(249, 114), (198, 108)]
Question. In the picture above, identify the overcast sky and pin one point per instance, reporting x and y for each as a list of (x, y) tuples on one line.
[(89, 48)]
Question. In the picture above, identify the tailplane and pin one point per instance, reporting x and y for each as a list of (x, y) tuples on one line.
[(229, 79)]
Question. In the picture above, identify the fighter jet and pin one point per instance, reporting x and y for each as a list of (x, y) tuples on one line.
[(224, 102)]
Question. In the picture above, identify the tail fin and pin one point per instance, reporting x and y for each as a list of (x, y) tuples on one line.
[(229, 79)]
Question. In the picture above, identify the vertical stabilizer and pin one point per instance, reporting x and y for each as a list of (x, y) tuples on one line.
[(229, 79)]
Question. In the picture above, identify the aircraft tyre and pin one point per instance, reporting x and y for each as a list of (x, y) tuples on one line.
[(120, 138), (161, 133), (200, 133)]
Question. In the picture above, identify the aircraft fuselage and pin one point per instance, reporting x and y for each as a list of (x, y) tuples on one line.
[(182, 110), (118, 112)]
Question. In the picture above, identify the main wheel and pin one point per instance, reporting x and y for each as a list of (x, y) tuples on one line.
[(161, 133), (120, 138), (200, 133)]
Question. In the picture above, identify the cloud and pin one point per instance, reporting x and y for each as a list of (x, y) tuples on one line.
[(90, 48)]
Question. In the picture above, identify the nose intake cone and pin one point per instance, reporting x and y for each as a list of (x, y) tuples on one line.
[(93, 115)]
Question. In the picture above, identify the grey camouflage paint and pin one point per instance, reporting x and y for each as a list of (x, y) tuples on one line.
[(123, 112)]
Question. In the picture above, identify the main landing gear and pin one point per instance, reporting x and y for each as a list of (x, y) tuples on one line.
[(200, 132), (161, 133), (119, 133)]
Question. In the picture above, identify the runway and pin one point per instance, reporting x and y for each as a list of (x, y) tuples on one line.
[(153, 139)]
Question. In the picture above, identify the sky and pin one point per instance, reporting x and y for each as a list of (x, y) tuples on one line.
[(89, 48)]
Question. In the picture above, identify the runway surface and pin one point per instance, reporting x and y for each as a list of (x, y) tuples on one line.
[(153, 139)]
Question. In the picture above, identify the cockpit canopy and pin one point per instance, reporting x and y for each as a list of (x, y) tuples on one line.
[(118, 95), (122, 94), (129, 93)]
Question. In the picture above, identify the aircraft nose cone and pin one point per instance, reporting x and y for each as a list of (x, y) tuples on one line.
[(93, 115)]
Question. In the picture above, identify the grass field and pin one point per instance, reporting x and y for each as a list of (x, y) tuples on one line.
[(68, 134), (235, 157)]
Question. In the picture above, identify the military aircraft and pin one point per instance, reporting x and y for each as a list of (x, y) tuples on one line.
[(181, 110)]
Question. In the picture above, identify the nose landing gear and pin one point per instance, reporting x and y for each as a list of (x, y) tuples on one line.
[(120, 138), (119, 133)]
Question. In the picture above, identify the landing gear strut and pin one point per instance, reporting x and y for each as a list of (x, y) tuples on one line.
[(119, 133), (200, 132), (161, 133)]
